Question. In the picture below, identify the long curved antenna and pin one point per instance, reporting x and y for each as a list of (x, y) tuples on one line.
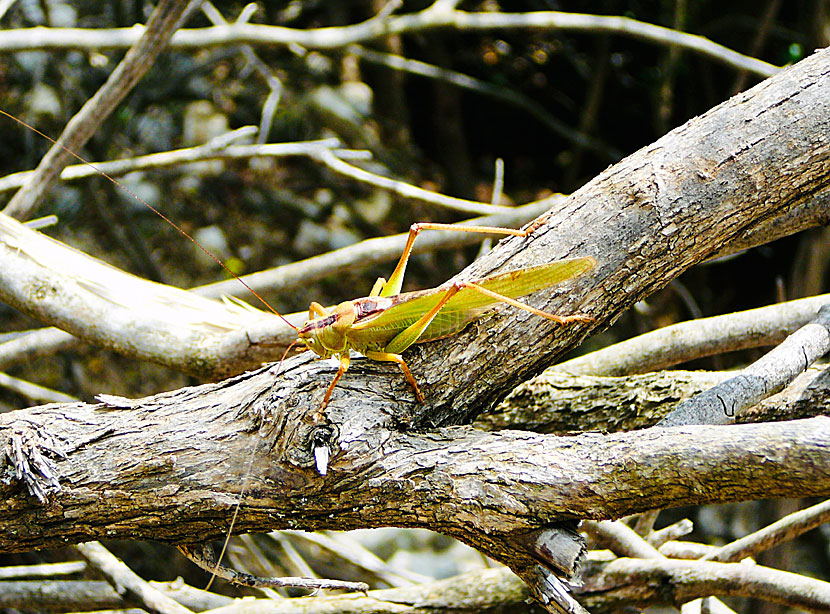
[(210, 254), (242, 490)]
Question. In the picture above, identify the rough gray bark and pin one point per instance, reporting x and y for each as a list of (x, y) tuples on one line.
[(169, 468)]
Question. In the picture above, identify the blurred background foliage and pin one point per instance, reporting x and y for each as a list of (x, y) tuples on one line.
[(559, 107)]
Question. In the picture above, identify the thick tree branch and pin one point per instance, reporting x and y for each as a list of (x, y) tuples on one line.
[(466, 483), (169, 468)]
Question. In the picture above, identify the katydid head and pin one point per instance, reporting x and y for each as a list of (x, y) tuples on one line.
[(326, 335)]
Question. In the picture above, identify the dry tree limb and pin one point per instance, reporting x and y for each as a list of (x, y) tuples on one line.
[(33, 392), (623, 541), (470, 593), (405, 190), (416, 476), (556, 402), (96, 595), (59, 595), (670, 533), (205, 557), (626, 581), (763, 378), (686, 550), (644, 523), (181, 157), (431, 18), (694, 339), (46, 570)]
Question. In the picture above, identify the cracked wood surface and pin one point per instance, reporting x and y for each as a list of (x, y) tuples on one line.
[(170, 468)]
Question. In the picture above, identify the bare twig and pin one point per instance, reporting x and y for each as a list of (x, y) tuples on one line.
[(33, 391), (686, 550), (785, 529), (274, 84), (202, 153), (122, 576), (160, 27), (204, 558), (355, 554), (35, 344), (645, 522), (671, 532), (405, 190), (428, 19), (45, 570), (761, 379), (620, 539)]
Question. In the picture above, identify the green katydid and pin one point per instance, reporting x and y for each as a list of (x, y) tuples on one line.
[(384, 324)]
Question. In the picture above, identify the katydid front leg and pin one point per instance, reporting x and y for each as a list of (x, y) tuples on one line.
[(345, 360)]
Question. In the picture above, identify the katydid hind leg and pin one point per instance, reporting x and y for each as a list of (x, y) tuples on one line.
[(577, 317), (413, 332), (395, 283), (316, 310), (377, 289)]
